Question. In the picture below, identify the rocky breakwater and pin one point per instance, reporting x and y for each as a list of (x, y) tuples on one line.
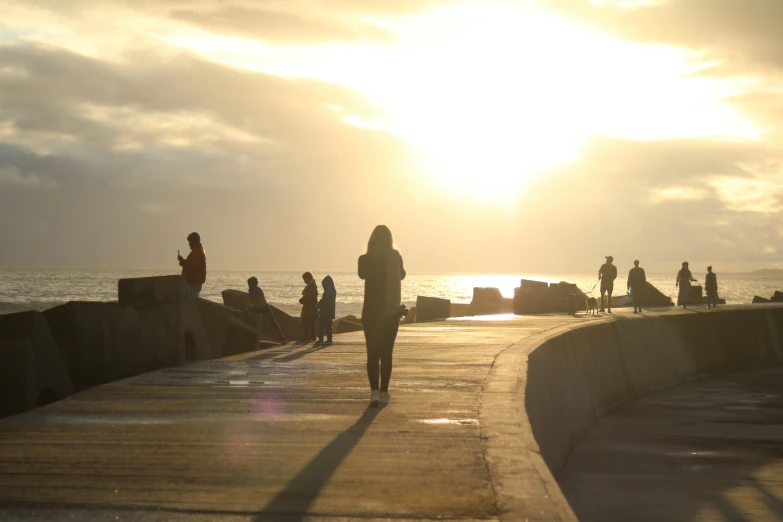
[(539, 297), (155, 323), (291, 326), (32, 370), (777, 297)]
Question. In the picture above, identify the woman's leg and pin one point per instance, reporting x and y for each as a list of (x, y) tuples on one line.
[(329, 324), (373, 356), (387, 347)]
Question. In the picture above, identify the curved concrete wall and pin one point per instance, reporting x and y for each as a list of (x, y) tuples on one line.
[(576, 376)]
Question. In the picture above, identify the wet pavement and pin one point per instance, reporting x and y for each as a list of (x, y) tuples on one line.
[(286, 431), (710, 450)]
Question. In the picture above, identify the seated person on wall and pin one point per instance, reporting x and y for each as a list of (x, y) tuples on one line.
[(257, 304)]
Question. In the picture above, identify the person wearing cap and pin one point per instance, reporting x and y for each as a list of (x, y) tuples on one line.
[(607, 274), (194, 267), (637, 283), (711, 287)]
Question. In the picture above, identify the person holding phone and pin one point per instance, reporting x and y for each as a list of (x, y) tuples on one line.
[(194, 268)]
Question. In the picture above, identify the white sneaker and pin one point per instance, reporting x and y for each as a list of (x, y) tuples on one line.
[(385, 397), (375, 397)]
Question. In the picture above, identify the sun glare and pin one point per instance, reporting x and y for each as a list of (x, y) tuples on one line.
[(491, 95)]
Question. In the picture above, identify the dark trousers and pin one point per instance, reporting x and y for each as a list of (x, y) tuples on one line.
[(309, 329), (380, 334), (636, 297), (324, 329)]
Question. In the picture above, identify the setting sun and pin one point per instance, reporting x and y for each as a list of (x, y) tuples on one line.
[(491, 96)]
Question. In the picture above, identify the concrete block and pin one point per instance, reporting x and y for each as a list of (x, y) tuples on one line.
[(32, 369), (81, 331), (529, 284), (347, 325), (654, 297), (156, 326), (291, 326), (777, 297), (159, 290), (529, 302), (695, 295), (488, 301), (432, 309), (239, 338), (411, 317), (219, 323), (236, 299), (757, 299), (460, 310)]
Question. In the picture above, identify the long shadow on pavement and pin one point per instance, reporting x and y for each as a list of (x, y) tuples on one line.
[(293, 503)]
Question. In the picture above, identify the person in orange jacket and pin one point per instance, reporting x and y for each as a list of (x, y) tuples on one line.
[(194, 268)]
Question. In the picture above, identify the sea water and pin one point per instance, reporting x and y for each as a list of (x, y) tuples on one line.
[(42, 288)]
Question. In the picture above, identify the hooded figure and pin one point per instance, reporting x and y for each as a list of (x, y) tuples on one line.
[(326, 309)]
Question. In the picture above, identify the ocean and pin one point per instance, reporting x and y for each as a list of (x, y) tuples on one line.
[(41, 288)]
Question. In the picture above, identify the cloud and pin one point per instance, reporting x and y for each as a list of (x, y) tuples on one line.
[(10, 175), (292, 28), (661, 201), (745, 33)]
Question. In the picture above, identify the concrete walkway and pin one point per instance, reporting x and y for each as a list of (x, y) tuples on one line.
[(288, 432), (710, 450)]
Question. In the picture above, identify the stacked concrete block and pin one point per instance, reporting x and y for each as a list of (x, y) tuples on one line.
[(695, 295), (225, 331), (291, 326), (32, 370), (154, 325), (432, 309), (489, 301), (347, 324)]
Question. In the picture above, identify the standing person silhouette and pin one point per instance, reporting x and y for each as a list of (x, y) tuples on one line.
[(684, 280), (309, 302), (607, 274), (194, 268), (327, 307), (711, 287), (382, 270), (637, 284)]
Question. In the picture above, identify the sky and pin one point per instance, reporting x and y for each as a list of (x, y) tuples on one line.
[(491, 136)]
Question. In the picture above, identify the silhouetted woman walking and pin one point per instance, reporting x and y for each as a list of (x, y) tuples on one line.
[(684, 279), (382, 270)]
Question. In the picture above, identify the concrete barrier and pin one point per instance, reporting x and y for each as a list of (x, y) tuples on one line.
[(154, 325), (432, 309), (236, 299), (576, 375), (290, 325), (488, 301), (347, 325), (32, 370), (225, 332)]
